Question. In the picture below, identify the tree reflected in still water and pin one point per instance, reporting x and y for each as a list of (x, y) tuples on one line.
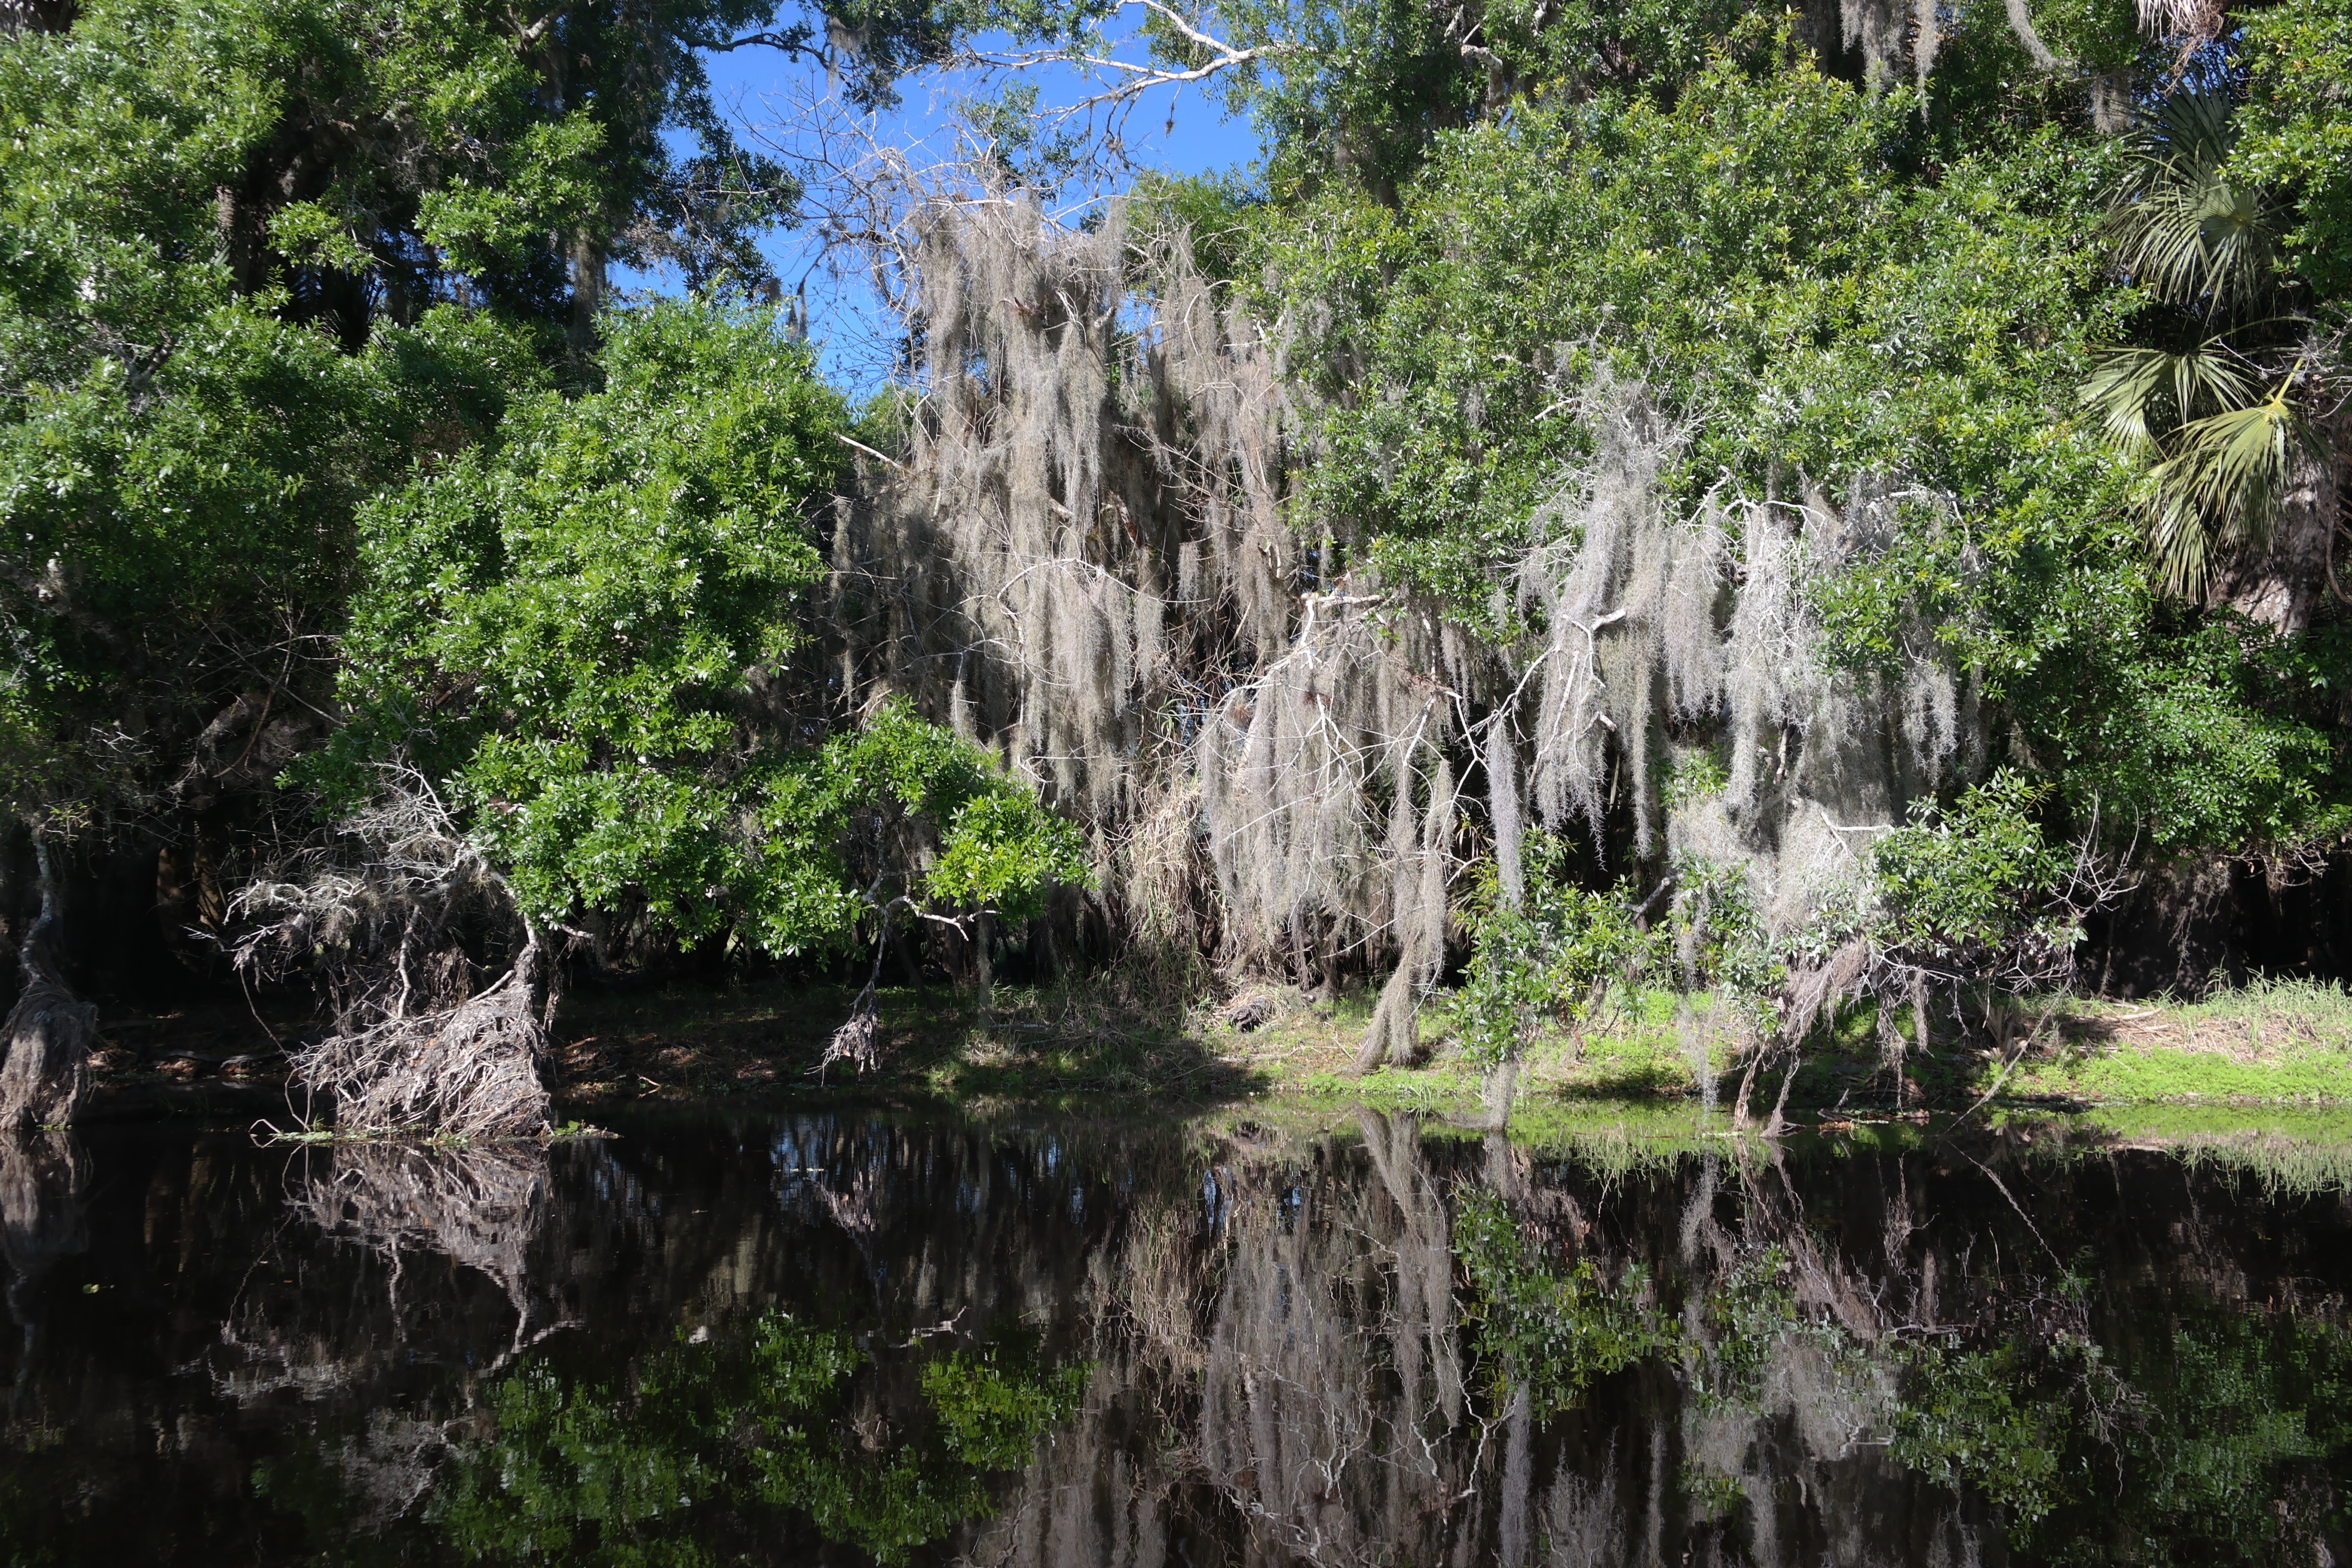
[(860, 1337)]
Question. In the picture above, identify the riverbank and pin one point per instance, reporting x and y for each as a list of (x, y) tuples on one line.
[(2270, 1045), (2277, 1044)]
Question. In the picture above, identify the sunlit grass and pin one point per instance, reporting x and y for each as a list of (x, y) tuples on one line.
[(2270, 1044)]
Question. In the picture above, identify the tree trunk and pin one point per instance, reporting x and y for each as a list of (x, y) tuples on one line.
[(50, 1031), (2283, 585), (586, 262), (20, 897)]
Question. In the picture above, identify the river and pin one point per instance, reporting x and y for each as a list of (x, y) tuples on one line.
[(864, 1335)]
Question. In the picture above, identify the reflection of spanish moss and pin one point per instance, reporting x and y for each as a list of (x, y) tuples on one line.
[(1287, 1343), (1380, 1344), (1879, 1362), (1291, 1347)]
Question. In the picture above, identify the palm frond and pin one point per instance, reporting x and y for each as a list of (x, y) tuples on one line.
[(2179, 546), (2181, 227), (2141, 395), (2221, 484)]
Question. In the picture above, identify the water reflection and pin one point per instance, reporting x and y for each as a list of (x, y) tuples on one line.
[(42, 1176), (477, 1208), (864, 1337)]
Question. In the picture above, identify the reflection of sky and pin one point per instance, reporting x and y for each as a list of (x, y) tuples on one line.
[(1182, 131)]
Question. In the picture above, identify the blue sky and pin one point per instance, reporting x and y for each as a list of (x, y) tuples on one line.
[(1181, 132)]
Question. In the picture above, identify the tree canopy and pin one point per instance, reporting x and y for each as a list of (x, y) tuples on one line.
[(1715, 418)]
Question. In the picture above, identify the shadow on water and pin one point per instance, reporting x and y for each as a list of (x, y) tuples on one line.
[(855, 1336)]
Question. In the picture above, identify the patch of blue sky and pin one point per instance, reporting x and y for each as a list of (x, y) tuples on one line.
[(780, 105)]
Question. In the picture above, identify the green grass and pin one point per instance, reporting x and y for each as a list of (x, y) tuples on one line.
[(2143, 1075), (2274, 1044), (2242, 1083), (2271, 1042), (2320, 1007)]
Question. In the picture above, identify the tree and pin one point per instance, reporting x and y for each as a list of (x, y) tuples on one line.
[(2231, 416), (590, 636), (268, 257), (1548, 956), (182, 445)]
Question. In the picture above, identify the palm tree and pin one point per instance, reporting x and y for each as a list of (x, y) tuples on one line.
[(2181, 227), (2222, 427)]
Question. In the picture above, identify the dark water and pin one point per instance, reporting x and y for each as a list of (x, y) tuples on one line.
[(844, 1337)]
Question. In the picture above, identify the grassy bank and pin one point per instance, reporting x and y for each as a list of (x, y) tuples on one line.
[(2269, 1044), (2264, 1048)]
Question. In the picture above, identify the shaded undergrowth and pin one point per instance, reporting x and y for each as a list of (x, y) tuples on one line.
[(2274, 1044), (2270, 1046), (1023, 1043)]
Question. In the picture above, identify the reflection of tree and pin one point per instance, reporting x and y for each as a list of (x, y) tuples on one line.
[(718, 1441), (1061, 1342), (1389, 1349), (476, 1211), (42, 1175), (1286, 1343), (477, 1206)]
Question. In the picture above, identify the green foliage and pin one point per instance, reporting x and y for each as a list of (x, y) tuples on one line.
[(1718, 937), (268, 257), (1975, 879), (404, 146), (1970, 1415), (992, 1419), (589, 629), (1553, 1332), (2295, 138), (579, 1473), (1359, 95), (1216, 215), (1350, 90), (1012, 138), (2221, 428), (1756, 252), (840, 833), (568, 1465), (1747, 1312), (1816, 281), (1003, 849), (2183, 228), (180, 449), (2229, 1456), (1551, 957)]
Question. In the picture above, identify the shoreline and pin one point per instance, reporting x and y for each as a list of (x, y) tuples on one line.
[(2273, 1050)]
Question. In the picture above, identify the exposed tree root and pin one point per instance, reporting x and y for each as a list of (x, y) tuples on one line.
[(46, 1076), (376, 913), (858, 1041), (467, 1071)]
